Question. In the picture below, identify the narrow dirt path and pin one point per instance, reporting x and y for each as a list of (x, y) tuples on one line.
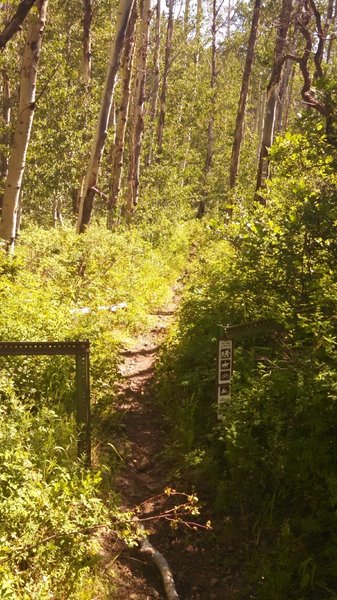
[(145, 475)]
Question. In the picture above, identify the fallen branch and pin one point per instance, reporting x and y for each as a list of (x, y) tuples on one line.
[(163, 566)]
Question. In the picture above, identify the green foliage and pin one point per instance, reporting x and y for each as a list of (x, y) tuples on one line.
[(48, 503), (51, 509), (271, 463)]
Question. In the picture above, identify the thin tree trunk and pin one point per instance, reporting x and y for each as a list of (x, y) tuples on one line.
[(229, 16), (272, 95), (210, 134), (156, 79), (168, 50), (210, 128), (117, 156), (6, 121), (16, 165), (198, 24), (89, 188), (187, 17), (331, 37), (238, 136), (281, 106), (86, 55), (138, 108), (57, 212), (260, 123)]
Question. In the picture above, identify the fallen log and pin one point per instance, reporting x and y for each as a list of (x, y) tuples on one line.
[(162, 564)]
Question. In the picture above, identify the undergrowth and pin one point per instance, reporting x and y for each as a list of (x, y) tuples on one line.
[(269, 467), (52, 510)]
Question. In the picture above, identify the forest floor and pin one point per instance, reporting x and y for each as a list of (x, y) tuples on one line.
[(193, 556)]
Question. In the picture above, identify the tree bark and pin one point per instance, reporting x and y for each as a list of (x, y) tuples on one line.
[(272, 95), (283, 100), (186, 17), (331, 38), (138, 108), (238, 136), (87, 199), (86, 55), (167, 60), (6, 121), (16, 165), (260, 122), (229, 17), (16, 21), (117, 156), (156, 79), (210, 133)]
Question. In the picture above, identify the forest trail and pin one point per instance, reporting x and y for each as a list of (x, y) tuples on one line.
[(144, 477)]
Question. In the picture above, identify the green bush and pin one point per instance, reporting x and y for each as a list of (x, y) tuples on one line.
[(271, 463), (49, 505)]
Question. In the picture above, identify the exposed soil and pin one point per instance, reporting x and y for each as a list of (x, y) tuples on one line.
[(197, 571)]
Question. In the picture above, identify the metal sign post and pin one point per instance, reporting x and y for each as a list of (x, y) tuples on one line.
[(225, 370), (81, 351)]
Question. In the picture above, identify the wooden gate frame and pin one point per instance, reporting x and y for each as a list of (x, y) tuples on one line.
[(81, 351)]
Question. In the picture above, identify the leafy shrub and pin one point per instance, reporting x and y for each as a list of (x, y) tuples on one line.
[(49, 505), (274, 454)]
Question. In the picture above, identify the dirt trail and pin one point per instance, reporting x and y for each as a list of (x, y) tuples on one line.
[(146, 475)]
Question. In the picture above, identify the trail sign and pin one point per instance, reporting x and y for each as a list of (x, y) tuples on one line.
[(225, 369), (226, 354)]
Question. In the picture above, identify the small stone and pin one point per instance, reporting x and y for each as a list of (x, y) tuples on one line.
[(214, 582), (143, 464)]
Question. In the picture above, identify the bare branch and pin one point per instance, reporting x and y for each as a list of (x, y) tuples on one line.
[(16, 21)]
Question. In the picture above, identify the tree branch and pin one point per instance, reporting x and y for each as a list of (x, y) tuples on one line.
[(16, 21)]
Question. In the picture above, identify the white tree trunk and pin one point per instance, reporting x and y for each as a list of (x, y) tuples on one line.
[(87, 198), (117, 155), (240, 117), (272, 96), (86, 51), (17, 160), (6, 121), (156, 81), (168, 50), (138, 108)]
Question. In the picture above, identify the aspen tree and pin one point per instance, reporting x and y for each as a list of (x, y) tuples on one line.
[(167, 60), (210, 128), (17, 160), (229, 18), (90, 181), (272, 94), (86, 55), (284, 97), (210, 133), (156, 80), (6, 121), (238, 136), (187, 16), (333, 24), (138, 107), (117, 155)]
